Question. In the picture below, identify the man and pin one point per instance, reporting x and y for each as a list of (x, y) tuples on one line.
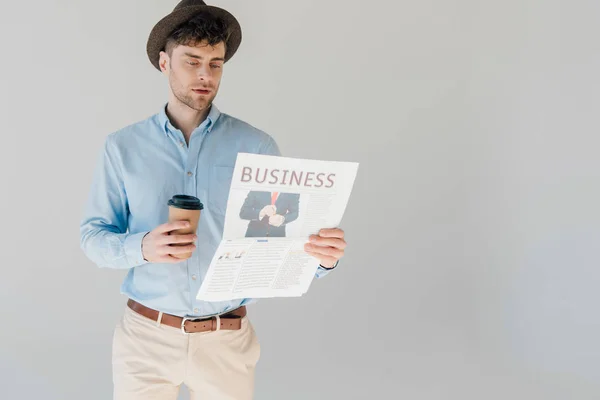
[(269, 212), (166, 337)]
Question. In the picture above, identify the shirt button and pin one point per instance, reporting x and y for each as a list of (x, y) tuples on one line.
[(189, 173), (181, 144), (196, 310), (194, 277)]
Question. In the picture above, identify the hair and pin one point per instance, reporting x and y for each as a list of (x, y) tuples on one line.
[(202, 27)]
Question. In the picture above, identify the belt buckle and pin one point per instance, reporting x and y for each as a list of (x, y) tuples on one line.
[(183, 324)]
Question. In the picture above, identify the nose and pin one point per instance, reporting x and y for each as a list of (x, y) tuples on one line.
[(204, 72)]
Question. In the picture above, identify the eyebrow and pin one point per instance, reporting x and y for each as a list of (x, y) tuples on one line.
[(201, 58)]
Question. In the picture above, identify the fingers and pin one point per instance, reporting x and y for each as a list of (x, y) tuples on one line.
[(326, 260), (171, 226), (276, 220), (332, 232), (166, 253), (179, 249), (269, 210), (328, 246), (174, 239), (324, 251), (326, 241)]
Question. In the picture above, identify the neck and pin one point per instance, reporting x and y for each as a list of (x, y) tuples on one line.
[(184, 118)]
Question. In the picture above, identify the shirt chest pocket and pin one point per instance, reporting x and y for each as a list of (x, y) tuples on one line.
[(219, 183)]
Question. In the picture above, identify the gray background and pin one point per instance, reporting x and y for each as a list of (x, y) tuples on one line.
[(473, 227)]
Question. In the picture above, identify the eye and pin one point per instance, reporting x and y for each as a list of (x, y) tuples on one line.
[(192, 63), (215, 66)]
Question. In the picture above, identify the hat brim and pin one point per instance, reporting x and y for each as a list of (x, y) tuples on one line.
[(161, 31)]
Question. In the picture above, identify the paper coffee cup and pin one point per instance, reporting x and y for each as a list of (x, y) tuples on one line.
[(184, 208)]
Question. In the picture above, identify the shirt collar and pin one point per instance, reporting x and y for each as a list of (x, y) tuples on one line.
[(210, 120)]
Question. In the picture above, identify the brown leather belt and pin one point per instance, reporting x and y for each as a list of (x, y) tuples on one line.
[(230, 321)]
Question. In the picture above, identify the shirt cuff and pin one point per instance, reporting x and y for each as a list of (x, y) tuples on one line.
[(322, 271), (133, 249)]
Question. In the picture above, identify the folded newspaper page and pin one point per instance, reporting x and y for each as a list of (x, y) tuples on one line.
[(274, 205)]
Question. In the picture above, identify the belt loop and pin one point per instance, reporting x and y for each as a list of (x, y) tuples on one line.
[(218, 323), (159, 319)]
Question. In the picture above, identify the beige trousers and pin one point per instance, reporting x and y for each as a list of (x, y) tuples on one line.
[(152, 362)]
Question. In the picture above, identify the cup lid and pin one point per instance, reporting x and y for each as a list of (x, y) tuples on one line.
[(186, 202)]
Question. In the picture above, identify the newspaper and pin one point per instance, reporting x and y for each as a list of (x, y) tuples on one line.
[(274, 205)]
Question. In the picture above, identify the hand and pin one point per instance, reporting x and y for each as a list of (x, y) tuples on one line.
[(328, 246), (276, 220), (269, 211), (157, 244)]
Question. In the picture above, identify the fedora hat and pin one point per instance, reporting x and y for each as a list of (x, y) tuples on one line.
[(183, 12)]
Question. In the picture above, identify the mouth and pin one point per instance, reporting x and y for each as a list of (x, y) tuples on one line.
[(201, 91)]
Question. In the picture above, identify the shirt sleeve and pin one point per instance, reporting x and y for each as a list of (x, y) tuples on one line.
[(269, 147), (104, 237)]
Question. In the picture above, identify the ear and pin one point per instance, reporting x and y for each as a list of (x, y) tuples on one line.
[(164, 62)]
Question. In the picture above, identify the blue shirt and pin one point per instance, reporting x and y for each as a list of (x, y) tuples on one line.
[(138, 170)]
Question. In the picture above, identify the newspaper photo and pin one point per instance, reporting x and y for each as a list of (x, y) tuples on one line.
[(274, 205)]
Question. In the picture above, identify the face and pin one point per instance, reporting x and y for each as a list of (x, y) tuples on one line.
[(194, 73)]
